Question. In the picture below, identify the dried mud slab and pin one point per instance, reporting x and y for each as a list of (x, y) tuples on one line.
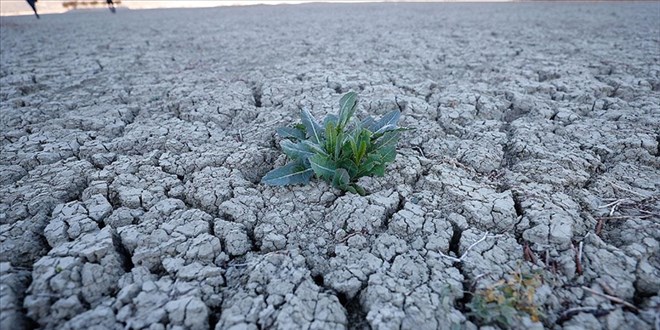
[(133, 145)]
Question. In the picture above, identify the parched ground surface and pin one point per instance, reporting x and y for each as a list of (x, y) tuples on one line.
[(133, 145)]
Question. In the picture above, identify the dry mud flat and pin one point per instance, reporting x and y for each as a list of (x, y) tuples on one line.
[(133, 145)]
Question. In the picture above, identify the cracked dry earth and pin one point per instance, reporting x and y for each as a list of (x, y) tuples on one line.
[(133, 145)]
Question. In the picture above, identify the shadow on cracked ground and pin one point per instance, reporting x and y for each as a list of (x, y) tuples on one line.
[(133, 145)]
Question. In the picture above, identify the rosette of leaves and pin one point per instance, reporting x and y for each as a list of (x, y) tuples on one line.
[(339, 150), (506, 302)]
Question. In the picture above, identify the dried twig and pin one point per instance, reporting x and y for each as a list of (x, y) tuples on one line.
[(599, 226), (461, 259), (649, 213), (474, 244), (580, 254), (596, 311), (578, 258), (480, 276), (615, 203), (622, 217), (345, 239), (528, 254), (628, 190), (606, 288), (454, 259), (456, 163), (420, 150), (577, 310), (476, 280), (611, 298)]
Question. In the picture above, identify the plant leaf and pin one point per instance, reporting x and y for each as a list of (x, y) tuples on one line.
[(347, 105), (378, 170), (323, 166), (330, 119), (350, 166), (316, 148), (368, 122), (346, 151), (330, 137), (351, 189), (291, 132), (366, 167), (352, 141), (339, 142), (385, 128), (292, 173), (296, 150), (363, 143), (387, 154), (391, 118), (388, 139), (341, 178), (313, 128), (382, 132), (357, 189)]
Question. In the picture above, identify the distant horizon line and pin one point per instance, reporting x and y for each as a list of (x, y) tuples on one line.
[(21, 8)]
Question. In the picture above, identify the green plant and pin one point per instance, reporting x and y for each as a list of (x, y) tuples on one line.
[(340, 151), (507, 301)]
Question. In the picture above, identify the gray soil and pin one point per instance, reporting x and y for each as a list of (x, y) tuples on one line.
[(132, 146)]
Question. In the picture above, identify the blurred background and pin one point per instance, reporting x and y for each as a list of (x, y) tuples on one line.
[(21, 7)]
